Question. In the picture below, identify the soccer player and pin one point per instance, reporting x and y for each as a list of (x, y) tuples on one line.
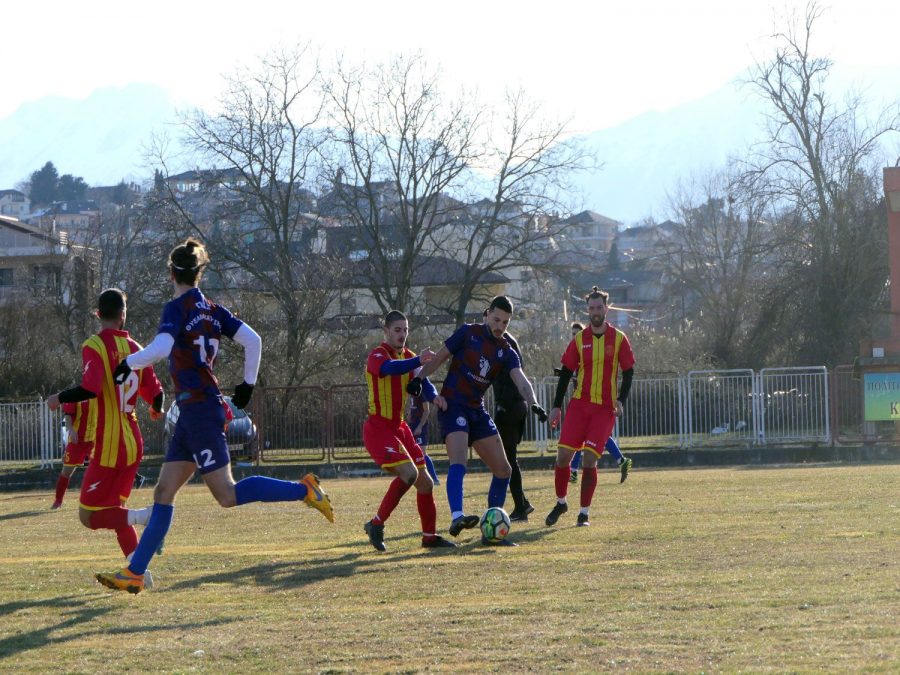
[(82, 420), (477, 353), (597, 353), (117, 441), (510, 411), (189, 333), (387, 436), (624, 463), (417, 419)]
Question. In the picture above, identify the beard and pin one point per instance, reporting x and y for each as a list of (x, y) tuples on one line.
[(597, 321)]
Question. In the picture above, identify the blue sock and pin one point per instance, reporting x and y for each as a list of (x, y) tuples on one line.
[(265, 489), (153, 534), (497, 491), (455, 475), (576, 461), (613, 448), (429, 466)]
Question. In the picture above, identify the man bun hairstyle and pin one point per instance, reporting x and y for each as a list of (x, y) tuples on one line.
[(597, 293), (187, 261), (111, 304), (392, 317), (503, 303)]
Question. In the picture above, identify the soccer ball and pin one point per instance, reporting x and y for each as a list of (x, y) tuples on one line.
[(495, 524)]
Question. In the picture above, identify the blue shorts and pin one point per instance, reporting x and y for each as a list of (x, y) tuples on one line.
[(199, 436), (474, 421)]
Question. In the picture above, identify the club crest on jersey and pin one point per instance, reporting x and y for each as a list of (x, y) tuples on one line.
[(483, 366), (460, 421), (500, 353)]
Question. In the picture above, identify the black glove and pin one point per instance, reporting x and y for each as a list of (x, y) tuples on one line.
[(539, 412), (414, 387), (242, 394), (121, 373)]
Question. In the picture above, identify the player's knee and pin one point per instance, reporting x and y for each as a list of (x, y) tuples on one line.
[(424, 484), (85, 517), (504, 472)]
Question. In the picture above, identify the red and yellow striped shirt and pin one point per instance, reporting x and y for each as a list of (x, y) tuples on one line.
[(117, 439), (84, 419), (387, 395), (597, 358)]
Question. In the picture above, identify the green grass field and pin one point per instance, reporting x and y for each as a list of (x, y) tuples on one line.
[(764, 569)]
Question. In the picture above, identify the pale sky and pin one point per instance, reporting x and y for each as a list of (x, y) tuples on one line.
[(596, 62)]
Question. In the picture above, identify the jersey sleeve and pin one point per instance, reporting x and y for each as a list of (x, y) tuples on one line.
[(171, 320), (230, 323), (457, 341), (512, 360), (626, 356), (93, 373), (373, 364), (570, 356), (149, 387)]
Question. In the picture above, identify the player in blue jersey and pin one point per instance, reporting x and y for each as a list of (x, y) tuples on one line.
[(189, 333), (478, 353), (417, 419)]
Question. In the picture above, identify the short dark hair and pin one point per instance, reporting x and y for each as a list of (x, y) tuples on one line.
[(111, 303), (597, 293), (393, 316), (503, 303), (187, 260), (577, 326)]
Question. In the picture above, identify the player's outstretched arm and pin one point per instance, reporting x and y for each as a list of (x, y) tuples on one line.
[(427, 369), (157, 350), (251, 342), (527, 391)]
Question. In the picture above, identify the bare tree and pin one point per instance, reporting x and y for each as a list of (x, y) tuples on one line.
[(820, 167), (529, 161), (720, 264), (258, 158), (401, 148)]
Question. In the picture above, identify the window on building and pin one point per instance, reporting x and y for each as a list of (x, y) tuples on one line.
[(6, 276)]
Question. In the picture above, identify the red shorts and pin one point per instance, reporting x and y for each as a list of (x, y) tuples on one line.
[(76, 453), (390, 444), (586, 426), (104, 487)]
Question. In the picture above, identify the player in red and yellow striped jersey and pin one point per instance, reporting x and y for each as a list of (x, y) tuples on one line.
[(118, 445), (82, 420), (597, 353), (387, 436)]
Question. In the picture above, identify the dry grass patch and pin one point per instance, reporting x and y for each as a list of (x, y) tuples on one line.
[(783, 569)]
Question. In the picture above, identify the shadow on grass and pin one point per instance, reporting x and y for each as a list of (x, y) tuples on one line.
[(76, 611), (21, 514), (361, 560)]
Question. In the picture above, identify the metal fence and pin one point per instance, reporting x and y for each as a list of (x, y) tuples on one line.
[(701, 409)]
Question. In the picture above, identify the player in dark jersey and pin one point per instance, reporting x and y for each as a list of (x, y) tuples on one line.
[(189, 333), (417, 418), (477, 353)]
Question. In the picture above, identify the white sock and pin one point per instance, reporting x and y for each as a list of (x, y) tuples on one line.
[(562, 500), (139, 516), (585, 510), (456, 514)]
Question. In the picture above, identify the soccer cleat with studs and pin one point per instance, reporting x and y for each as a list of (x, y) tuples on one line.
[(376, 535), (624, 467), (521, 515), (462, 523), (123, 580), (316, 497), (583, 520), (558, 510), (437, 541), (573, 476), (55, 506)]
